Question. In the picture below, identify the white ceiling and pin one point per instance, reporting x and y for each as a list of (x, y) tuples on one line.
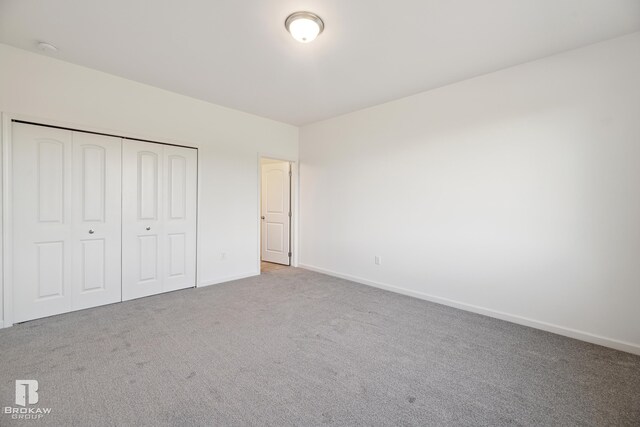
[(238, 54)]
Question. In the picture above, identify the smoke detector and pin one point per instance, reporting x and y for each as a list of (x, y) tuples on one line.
[(46, 47)]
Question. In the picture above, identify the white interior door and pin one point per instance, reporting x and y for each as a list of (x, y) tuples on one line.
[(96, 231), (142, 233), (42, 246), (64, 184), (159, 218), (276, 215), (179, 231)]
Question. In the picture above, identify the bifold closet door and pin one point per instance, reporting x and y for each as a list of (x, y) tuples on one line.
[(97, 213), (180, 195), (159, 218), (66, 220)]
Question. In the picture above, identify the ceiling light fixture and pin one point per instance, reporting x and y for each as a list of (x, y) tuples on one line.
[(304, 26)]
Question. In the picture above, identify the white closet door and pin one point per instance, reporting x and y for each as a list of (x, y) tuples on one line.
[(65, 184), (142, 233), (42, 246), (180, 187), (159, 185), (97, 213)]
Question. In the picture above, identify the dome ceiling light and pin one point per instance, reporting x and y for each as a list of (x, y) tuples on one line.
[(304, 26)]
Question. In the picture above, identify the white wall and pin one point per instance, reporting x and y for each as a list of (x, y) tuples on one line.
[(515, 194), (229, 142)]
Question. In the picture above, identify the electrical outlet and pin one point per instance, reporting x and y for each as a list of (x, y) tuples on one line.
[(223, 256), (378, 260)]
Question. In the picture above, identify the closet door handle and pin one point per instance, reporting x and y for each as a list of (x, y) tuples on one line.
[(148, 228), (92, 231)]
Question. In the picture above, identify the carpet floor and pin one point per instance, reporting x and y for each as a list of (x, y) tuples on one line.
[(293, 347)]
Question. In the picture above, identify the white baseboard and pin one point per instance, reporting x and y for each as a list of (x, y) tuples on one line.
[(227, 279), (560, 330), (1, 324)]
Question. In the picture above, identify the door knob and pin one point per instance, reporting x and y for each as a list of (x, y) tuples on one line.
[(92, 231), (148, 228), (262, 217)]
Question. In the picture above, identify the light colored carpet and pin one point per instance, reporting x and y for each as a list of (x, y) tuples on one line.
[(293, 347)]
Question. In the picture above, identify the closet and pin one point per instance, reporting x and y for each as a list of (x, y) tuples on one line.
[(158, 218), (98, 219)]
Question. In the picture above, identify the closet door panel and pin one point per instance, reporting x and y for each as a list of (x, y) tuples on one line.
[(142, 226), (97, 211), (42, 224), (180, 189)]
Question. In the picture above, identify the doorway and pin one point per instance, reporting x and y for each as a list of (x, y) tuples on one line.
[(275, 214)]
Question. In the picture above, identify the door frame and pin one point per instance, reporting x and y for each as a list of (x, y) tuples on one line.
[(6, 181), (294, 197)]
